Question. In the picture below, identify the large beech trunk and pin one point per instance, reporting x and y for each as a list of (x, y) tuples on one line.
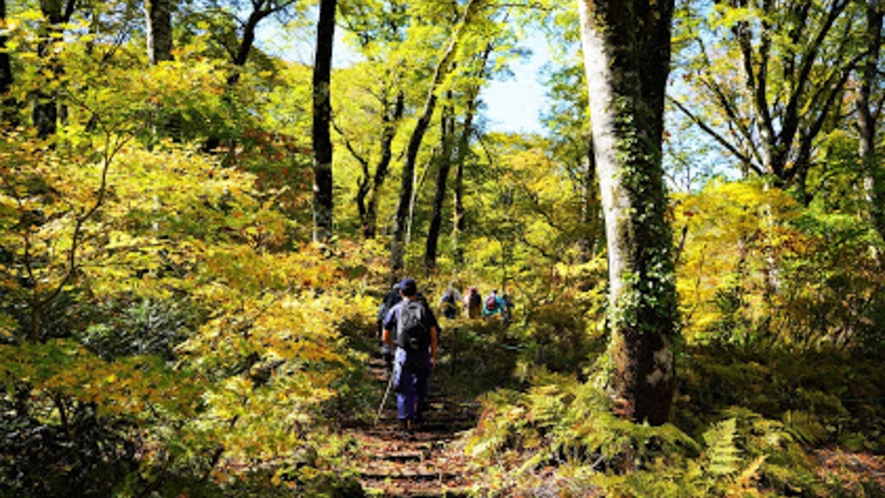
[(626, 56)]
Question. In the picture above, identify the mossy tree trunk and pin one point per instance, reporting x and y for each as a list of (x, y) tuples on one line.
[(627, 56)]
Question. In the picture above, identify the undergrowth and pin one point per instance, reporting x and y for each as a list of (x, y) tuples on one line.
[(558, 437)]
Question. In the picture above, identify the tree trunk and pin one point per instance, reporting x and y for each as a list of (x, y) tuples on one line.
[(8, 113), (260, 10), (439, 196), (458, 210), (866, 121), (400, 222), (626, 57), (322, 113), (370, 191), (45, 112), (159, 30), (589, 208), (248, 41)]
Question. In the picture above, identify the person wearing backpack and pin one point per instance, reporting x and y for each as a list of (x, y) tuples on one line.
[(393, 296), (411, 327), (448, 303), (473, 303), (493, 304)]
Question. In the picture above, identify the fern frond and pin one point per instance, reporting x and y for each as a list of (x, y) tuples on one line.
[(722, 453), (805, 427), (751, 473)]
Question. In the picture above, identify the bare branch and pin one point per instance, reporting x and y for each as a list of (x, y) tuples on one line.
[(716, 136)]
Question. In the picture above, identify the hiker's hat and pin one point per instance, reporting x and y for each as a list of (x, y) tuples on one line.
[(408, 287)]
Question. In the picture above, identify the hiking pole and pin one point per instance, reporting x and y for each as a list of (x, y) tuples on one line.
[(384, 399)]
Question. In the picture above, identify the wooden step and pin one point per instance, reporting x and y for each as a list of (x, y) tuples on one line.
[(401, 456), (382, 474), (394, 492), (423, 465)]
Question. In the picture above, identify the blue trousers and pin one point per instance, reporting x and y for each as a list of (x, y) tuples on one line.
[(411, 372)]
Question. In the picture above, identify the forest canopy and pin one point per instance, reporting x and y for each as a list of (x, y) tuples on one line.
[(196, 232)]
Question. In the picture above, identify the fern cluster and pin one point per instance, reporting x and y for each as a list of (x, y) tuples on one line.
[(560, 437), (822, 397)]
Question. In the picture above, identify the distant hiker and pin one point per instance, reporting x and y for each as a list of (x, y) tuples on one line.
[(493, 304), (448, 303), (473, 303), (411, 327), (393, 296), (506, 311)]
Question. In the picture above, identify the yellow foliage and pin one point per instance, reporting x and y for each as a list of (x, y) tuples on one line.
[(734, 233)]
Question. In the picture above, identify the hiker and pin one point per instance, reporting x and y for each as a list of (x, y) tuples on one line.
[(507, 310), (448, 303), (473, 303), (411, 327), (493, 305), (393, 296)]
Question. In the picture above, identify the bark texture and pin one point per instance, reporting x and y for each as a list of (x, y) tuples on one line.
[(439, 196), (159, 30), (627, 55), (322, 114), (866, 118), (8, 112)]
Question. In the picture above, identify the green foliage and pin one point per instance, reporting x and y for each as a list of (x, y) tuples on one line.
[(757, 269), (821, 398), (561, 436), (140, 328), (166, 328), (151, 308)]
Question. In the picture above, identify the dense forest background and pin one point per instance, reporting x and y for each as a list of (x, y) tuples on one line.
[(195, 236)]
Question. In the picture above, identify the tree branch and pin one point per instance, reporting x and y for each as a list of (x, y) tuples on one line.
[(716, 136)]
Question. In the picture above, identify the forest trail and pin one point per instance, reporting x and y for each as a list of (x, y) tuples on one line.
[(426, 465)]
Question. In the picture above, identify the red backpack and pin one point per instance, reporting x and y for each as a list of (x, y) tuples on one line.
[(491, 303)]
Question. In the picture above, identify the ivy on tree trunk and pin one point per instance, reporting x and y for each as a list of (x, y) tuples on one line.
[(626, 57)]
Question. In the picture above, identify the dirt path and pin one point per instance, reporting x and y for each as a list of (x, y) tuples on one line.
[(431, 463), (428, 463)]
